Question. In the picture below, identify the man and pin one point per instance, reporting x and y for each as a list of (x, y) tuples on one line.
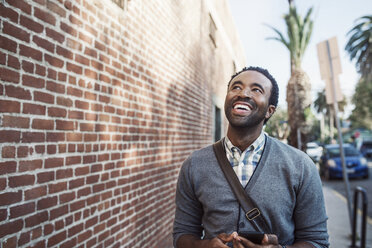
[(281, 180)]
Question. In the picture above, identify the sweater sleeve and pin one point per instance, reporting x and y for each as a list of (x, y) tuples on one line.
[(310, 213), (189, 211)]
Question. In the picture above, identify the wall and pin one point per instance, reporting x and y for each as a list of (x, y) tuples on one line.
[(99, 107)]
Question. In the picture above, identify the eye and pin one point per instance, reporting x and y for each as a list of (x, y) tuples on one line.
[(236, 87), (257, 90)]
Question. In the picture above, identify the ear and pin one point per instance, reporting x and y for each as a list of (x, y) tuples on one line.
[(270, 111)]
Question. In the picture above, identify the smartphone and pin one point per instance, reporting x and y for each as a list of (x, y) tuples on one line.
[(255, 237)]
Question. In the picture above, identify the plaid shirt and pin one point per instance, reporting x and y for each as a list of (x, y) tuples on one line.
[(244, 163)]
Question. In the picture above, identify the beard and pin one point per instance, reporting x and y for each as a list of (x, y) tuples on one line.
[(252, 120)]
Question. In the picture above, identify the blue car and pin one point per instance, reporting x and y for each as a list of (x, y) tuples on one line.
[(331, 166)]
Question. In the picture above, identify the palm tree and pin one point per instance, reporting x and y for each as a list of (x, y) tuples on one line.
[(299, 31), (359, 45)]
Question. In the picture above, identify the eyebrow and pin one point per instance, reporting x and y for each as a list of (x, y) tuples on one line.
[(259, 86)]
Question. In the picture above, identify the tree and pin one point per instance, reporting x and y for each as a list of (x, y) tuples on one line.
[(298, 98), (277, 126), (359, 48), (359, 45), (361, 115)]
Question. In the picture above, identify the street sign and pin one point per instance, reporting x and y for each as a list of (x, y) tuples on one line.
[(330, 67)]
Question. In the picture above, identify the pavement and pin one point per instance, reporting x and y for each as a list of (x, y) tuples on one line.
[(339, 228)]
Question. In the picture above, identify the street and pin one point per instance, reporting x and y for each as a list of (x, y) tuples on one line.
[(339, 186)]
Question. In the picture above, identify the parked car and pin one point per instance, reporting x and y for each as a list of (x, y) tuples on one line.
[(366, 148), (314, 151), (331, 166)]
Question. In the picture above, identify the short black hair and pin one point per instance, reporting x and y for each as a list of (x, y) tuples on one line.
[(274, 96)]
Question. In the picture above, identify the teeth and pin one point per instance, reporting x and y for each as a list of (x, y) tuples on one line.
[(241, 106)]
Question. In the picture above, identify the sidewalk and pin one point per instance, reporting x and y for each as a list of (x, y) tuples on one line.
[(339, 229)]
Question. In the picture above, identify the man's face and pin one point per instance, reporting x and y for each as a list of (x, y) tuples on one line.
[(247, 99)]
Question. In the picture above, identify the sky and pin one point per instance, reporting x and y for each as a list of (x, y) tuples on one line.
[(332, 18)]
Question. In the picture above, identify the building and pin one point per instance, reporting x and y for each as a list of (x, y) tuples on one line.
[(100, 102)]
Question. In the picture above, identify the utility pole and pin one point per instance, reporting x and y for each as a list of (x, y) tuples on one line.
[(330, 67)]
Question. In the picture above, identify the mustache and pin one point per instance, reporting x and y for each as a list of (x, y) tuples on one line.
[(244, 99)]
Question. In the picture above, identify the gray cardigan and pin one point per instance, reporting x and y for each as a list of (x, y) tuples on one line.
[(285, 186)]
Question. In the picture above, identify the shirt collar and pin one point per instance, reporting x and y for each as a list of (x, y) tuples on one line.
[(253, 147)]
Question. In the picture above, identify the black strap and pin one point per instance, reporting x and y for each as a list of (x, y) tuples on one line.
[(252, 213)]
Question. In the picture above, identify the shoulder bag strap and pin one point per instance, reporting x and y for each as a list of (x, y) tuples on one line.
[(252, 213)]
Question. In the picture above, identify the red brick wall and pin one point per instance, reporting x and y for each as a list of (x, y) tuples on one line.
[(99, 107)]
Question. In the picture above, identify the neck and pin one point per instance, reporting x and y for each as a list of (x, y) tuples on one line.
[(243, 137)]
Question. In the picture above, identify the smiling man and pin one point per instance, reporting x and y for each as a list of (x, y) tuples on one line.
[(282, 181)]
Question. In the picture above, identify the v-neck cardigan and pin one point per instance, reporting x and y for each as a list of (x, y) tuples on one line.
[(285, 186)]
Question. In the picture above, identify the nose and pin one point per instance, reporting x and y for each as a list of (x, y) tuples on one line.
[(246, 92)]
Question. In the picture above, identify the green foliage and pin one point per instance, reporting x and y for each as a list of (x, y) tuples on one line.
[(277, 126), (359, 45), (361, 115), (299, 31)]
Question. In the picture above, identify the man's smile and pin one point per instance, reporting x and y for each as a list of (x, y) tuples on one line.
[(242, 108)]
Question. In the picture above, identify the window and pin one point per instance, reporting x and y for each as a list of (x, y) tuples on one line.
[(217, 123), (212, 30), (122, 3)]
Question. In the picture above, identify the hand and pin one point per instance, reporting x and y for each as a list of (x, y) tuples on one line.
[(269, 241)]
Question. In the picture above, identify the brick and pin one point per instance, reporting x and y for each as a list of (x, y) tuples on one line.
[(42, 124), (74, 137), (64, 173), (65, 52), (24, 238), (56, 87), (57, 238), (51, 149), (8, 13), (57, 112), (11, 227), (43, 97), (76, 183), (21, 210), (59, 37), (33, 137), (3, 214), (15, 121), (9, 136), (41, 42), (55, 136), (8, 152), (74, 92), (53, 162), (9, 198), (82, 60), (16, 32), (8, 167), (65, 125), (36, 192), (56, 9), (8, 44), (22, 5), (66, 197), (19, 181), (13, 62), (44, 177), (53, 61), (73, 160), (17, 92), (30, 52), (44, 16), (30, 165), (47, 202), (9, 75), (74, 68), (29, 108), (34, 82), (22, 151), (57, 187), (36, 219), (28, 66), (7, 106), (31, 25), (75, 115)]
